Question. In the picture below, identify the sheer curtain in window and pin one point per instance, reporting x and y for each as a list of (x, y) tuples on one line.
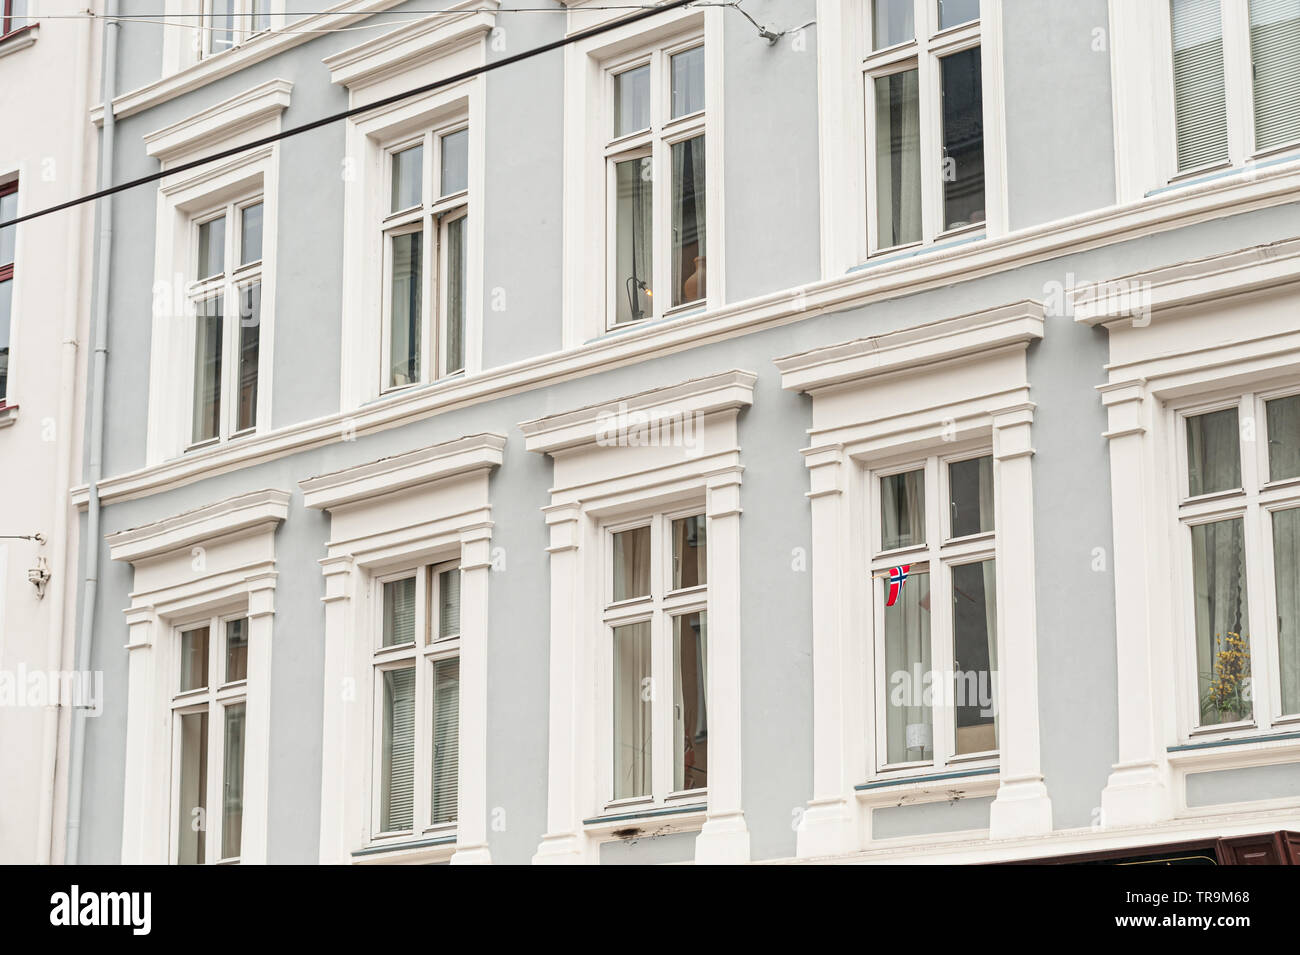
[(1222, 635), (898, 159), (909, 733), (1286, 573)]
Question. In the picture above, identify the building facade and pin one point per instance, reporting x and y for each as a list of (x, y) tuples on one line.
[(819, 430), (49, 54)]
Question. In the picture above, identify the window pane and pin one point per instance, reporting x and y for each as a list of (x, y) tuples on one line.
[(891, 23), (222, 36), (236, 650), (449, 604), (970, 486), (232, 784), (1200, 100), (454, 358), (632, 101), (194, 659), (207, 371), (250, 234), (689, 283), (261, 18), (399, 612), (406, 314), (902, 510), (408, 178), (250, 338), (690, 552), (446, 739), (898, 159), (1286, 571), (1222, 627), (1283, 416), (632, 563), (191, 821), (953, 12), (688, 82), (212, 248), (1274, 49), (963, 139), (455, 162), (909, 718), (975, 656), (1213, 452), (8, 210), (633, 259), (690, 702), (397, 779), (632, 697), (6, 317)]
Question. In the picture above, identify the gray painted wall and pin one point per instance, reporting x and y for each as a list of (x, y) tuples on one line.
[(772, 242)]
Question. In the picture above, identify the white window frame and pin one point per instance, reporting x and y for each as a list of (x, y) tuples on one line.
[(229, 286), (188, 43), (243, 22), (432, 218), (212, 699), (956, 388), (923, 54), (183, 199), (1254, 504), (430, 647), (590, 148), (655, 143), (846, 127), (659, 608), (213, 563), (942, 553), (387, 517)]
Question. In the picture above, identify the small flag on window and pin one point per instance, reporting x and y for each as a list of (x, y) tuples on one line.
[(897, 577)]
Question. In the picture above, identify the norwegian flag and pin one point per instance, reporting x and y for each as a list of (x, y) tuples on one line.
[(897, 577)]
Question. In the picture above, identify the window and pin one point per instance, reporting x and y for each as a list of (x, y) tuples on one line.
[(1230, 52), (934, 578), (925, 121), (13, 15), (1239, 519), (417, 695), (208, 741), (655, 157), (226, 302), (227, 23), (8, 235), (657, 623), (424, 236)]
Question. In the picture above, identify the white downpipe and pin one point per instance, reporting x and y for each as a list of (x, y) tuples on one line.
[(99, 360)]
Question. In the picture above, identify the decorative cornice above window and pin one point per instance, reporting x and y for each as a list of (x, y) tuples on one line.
[(219, 122), (583, 426), (411, 46), (1136, 297), (920, 346), (364, 481), (245, 512)]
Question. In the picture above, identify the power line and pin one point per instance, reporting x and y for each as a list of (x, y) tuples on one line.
[(586, 34)]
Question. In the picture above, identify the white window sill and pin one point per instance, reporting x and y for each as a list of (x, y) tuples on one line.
[(1240, 749), (421, 850), (930, 787), (19, 39), (650, 820), (8, 415)]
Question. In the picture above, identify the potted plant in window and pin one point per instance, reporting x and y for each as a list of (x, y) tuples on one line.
[(1227, 698)]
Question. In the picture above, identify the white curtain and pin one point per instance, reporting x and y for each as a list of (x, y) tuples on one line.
[(902, 510), (1286, 573), (632, 762), (1219, 579), (898, 159), (907, 662)]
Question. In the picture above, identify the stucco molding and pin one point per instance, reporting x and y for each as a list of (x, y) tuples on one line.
[(216, 124), (411, 46), (245, 512)]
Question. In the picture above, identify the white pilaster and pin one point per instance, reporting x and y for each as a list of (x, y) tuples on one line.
[(1022, 806), (140, 786), (257, 754), (338, 573), (472, 808)]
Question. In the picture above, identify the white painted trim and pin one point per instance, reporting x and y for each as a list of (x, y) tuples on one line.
[(214, 125), (599, 478), (217, 559), (886, 281), (957, 380), (427, 506), (413, 45)]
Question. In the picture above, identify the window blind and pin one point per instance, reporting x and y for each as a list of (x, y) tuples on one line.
[(1275, 60), (399, 612), (449, 604), (398, 784), (1200, 103), (446, 739)]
